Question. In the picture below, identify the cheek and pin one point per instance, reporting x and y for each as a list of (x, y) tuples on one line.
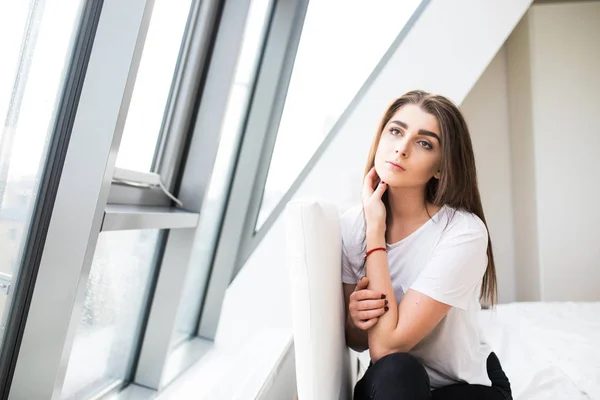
[(431, 167), (383, 150), (425, 167)]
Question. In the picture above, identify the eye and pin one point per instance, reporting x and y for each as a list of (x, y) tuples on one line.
[(426, 145), (395, 131)]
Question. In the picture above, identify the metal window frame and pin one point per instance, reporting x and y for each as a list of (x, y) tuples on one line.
[(266, 105), (252, 237), (88, 203), (159, 364), (188, 78), (80, 200), (23, 285), (125, 217)]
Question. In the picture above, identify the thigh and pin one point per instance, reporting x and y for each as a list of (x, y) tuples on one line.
[(465, 391), (394, 377)]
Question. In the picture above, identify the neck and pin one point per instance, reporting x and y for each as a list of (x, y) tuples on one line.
[(406, 204)]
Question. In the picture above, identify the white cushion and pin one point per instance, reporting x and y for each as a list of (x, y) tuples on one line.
[(314, 260)]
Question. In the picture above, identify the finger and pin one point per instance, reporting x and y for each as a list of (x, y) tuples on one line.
[(366, 294), (371, 304), (380, 190), (362, 284), (365, 315), (366, 325), (370, 181), (367, 191)]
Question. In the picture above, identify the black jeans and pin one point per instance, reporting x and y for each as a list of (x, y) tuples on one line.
[(400, 376)]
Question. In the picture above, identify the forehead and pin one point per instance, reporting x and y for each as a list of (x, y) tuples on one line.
[(416, 119)]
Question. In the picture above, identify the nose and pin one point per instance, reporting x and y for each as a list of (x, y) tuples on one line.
[(402, 148)]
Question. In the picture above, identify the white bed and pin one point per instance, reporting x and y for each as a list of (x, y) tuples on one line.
[(548, 350)]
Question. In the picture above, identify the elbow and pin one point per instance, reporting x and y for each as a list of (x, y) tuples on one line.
[(380, 350), (377, 352)]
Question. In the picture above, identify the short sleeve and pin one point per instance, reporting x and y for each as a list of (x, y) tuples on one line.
[(455, 271), (348, 275), (352, 231)]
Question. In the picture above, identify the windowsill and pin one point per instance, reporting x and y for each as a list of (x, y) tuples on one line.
[(242, 372)]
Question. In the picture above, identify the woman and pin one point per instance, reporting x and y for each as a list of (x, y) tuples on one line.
[(420, 244)]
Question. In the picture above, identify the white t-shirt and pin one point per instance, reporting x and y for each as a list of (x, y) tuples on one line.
[(444, 259)]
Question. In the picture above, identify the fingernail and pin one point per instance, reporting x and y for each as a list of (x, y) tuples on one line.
[(383, 296), (386, 308), (386, 302)]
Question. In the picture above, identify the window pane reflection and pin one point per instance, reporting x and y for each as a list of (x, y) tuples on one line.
[(115, 301), (153, 84), (35, 51)]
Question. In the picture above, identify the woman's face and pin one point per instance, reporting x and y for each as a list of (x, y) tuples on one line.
[(409, 152)]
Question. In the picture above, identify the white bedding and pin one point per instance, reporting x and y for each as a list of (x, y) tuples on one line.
[(548, 350)]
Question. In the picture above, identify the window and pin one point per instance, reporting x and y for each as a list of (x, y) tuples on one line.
[(32, 73), (111, 324), (214, 203), (109, 328), (12, 233), (330, 67), (152, 85)]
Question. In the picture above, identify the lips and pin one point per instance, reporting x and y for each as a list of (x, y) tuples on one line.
[(396, 166)]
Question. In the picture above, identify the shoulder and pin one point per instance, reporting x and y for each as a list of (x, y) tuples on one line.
[(464, 224), (352, 225), (464, 221), (352, 219)]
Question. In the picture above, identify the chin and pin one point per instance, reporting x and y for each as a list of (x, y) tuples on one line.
[(387, 176)]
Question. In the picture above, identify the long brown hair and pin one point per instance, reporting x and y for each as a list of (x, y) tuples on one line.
[(457, 186)]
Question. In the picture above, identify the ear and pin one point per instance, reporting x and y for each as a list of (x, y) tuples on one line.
[(437, 175)]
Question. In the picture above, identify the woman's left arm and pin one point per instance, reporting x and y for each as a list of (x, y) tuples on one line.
[(402, 327)]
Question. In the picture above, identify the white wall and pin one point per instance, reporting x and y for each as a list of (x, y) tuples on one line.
[(486, 111), (565, 64), (446, 51), (553, 64), (522, 145)]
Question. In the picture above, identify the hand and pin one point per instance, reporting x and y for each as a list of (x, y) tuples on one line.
[(373, 207), (366, 306)]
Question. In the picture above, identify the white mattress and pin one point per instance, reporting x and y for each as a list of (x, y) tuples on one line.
[(548, 350)]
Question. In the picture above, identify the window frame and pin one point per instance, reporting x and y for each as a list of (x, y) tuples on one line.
[(18, 307), (79, 205), (74, 207), (266, 105), (252, 236)]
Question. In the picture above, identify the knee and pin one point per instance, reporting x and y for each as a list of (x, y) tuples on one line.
[(400, 369), (399, 362)]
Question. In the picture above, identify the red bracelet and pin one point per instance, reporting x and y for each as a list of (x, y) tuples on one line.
[(373, 250)]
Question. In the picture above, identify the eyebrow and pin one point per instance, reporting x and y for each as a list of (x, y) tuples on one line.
[(422, 132)]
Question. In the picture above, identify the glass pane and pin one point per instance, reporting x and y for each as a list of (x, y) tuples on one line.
[(334, 59), (36, 47), (212, 209), (115, 301), (152, 84)]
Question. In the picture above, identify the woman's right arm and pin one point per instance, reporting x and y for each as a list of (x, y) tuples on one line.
[(356, 338), (363, 309)]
